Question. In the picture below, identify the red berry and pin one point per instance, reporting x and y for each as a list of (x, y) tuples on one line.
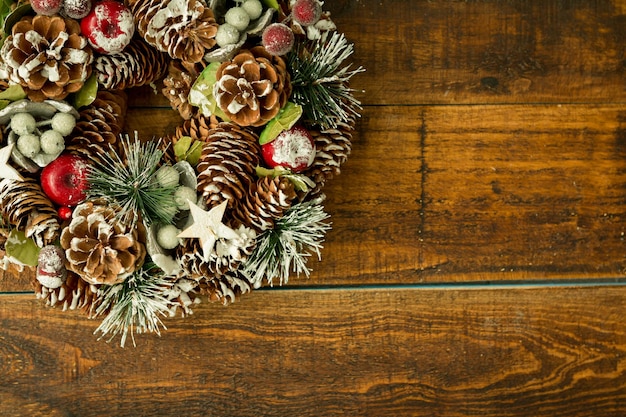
[(65, 213), (46, 7), (306, 12), (277, 39), (293, 149)]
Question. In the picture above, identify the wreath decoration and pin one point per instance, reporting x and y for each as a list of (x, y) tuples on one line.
[(131, 230)]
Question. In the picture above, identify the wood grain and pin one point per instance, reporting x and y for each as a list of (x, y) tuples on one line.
[(385, 352), (451, 52)]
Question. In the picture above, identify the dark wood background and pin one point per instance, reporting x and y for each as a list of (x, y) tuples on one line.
[(476, 263)]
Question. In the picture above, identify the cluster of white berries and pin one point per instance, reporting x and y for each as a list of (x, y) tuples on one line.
[(42, 141), (168, 176), (237, 20)]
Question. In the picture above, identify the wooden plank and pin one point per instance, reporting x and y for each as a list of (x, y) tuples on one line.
[(525, 192), (426, 52), (491, 352)]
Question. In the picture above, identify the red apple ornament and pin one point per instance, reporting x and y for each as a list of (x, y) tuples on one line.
[(109, 26), (293, 149), (64, 180)]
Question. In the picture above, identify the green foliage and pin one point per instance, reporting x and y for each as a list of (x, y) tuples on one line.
[(320, 83), (284, 120), (187, 149), (87, 94), (201, 92), (287, 247), (134, 306), (22, 248), (128, 178), (12, 93)]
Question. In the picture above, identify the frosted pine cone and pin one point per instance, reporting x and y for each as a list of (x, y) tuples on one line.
[(225, 289), (185, 29), (73, 294), (197, 128), (227, 256), (332, 145), (252, 87), (266, 202), (98, 126), (227, 166), (138, 64), (47, 56), (25, 206), (100, 247), (178, 83)]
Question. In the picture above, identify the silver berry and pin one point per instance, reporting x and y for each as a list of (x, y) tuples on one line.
[(23, 123), (63, 123), (28, 145), (52, 143)]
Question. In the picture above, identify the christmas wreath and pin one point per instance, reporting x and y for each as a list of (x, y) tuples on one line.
[(132, 230)]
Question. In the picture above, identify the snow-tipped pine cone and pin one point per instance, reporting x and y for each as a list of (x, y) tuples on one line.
[(228, 164), (47, 56), (100, 246), (252, 87), (185, 29)]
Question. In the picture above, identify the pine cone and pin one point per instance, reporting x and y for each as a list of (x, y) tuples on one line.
[(98, 126), (138, 64), (227, 257), (73, 294), (25, 206), (252, 87), (178, 83), (185, 29), (47, 56), (332, 145), (225, 289), (227, 165), (266, 202), (197, 128), (100, 247)]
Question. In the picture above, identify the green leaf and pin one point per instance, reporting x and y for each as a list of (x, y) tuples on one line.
[(201, 92), (4, 103), (5, 10), (299, 181), (13, 93), (22, 248), (284, 120), (271, 3), (14, 16), (187, 149), (87, 94)]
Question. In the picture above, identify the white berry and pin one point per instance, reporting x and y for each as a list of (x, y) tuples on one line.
[(167, 236), (226, 35), (23, 123), (183, 195), (52, 143), (238, 18), (28, 145), (63, 123), (167, 176), (254, 8)]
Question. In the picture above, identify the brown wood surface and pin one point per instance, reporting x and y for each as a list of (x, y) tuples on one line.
[(477, 257)]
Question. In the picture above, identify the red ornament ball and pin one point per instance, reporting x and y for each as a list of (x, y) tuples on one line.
[(293, 149)]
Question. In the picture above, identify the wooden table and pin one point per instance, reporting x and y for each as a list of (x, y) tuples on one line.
[(476, 262)]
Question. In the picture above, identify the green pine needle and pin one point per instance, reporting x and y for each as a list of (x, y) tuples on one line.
[(128, 178), (287, 247), (136, 305), (320, 83)]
